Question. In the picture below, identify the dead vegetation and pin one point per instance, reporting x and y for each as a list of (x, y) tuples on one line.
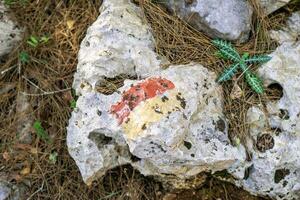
[(181, 44), (46, 82)]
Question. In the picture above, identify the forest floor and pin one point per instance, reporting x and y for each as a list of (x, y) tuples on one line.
[(38, 91)]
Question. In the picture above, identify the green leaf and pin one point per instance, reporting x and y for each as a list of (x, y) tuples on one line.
[(10, 2), (254, 82), (228, 73), (258, 59), (40, 131), (227, 50), (73, 104), (229, 55), (24, 57), (33, 41), (53, 157), (44, 39)]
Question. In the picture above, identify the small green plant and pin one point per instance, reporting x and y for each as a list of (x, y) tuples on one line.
[(73, 103), (53, 157), (228, 52), (40, 131), (34, 41), (11, 2), (24, 57)]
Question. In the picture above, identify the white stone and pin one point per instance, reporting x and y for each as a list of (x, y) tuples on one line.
[(119, 42), (226, 19), (276, 171), (10, 33), (173, 134), (289, 33), (272, 5)]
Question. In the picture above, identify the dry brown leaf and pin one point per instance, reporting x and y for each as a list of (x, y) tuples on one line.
[(70, 24), (22, 146), (170, 196), (6, 156), (67, 96), (34, 151), (16, 177), (236, 92), (25, 171)]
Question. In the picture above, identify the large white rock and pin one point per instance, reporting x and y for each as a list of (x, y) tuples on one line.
[(226, 19), (119, 42), (275, 164), (168, 123), (10, 33)]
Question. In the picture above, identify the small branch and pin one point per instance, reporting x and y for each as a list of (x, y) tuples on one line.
[(32, 83), (8, 69), (46, 93), (37, 191)]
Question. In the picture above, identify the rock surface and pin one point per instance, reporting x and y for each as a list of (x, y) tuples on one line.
[(9, 191), (10, 33), (226, 19), (167, 123), (119, 42), (272, 5), (275, 165)]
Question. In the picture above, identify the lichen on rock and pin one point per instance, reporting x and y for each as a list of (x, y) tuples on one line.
[(10, 32), (168, 123), (275, 148), (226, 19)]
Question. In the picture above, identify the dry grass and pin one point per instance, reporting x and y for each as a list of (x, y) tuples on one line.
[(51, 69), (50, 72), (181, 44)]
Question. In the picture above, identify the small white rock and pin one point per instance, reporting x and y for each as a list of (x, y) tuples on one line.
[(10, 33)]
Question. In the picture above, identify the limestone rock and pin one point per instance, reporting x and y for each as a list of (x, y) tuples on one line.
[(272, 5), (226, 19), (119, 42), (164, 124), (10, 33), (9, 191), (275, 165), (289, 33), (167, 123)]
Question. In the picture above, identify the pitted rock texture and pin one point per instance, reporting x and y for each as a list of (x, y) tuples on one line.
[(10, 33), (167, 123), (275, 165), (289, 33), (272, 5), (119, 42), (226, 19), (10, 191), (180, 131)]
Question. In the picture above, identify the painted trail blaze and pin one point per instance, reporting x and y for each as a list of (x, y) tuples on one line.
[(131, 98)]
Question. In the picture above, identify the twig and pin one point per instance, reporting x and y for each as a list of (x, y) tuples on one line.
[(32, 83), (6, 70), (37, 191), (46, 93)]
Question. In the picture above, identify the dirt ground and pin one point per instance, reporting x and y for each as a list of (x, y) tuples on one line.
[(36, 157)]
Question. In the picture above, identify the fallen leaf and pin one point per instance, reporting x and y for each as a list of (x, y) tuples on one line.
[(236, 92), (34, 151), (25, 171), (6, 156), (70, 24), (16, 177), (170, 196), (22, 146)]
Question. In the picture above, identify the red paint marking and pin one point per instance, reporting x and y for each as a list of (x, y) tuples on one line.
[(138, 93)]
